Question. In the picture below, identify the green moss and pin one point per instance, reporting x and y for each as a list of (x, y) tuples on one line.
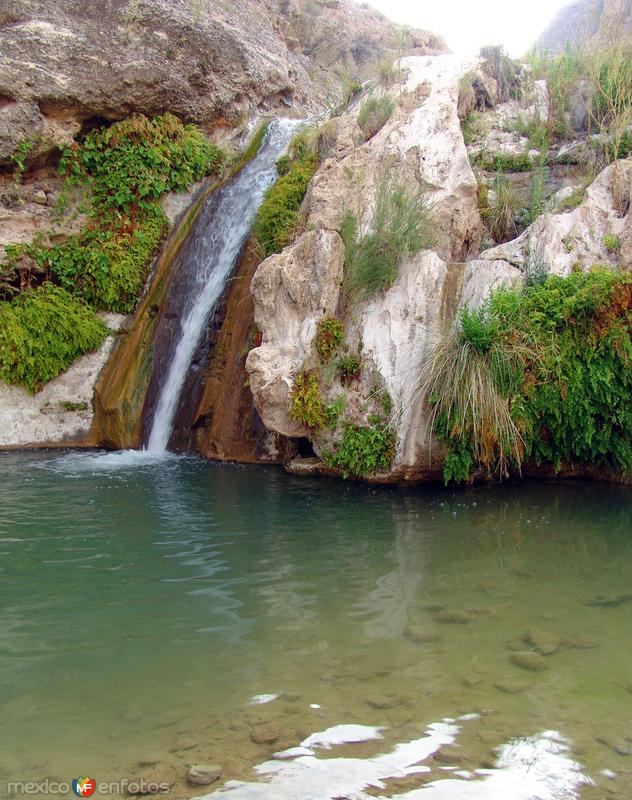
[(42, 332), (278, 214), (307, 404), (364, 450), (329, 336)]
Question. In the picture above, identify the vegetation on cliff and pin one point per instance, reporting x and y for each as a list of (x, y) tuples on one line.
[(277, 217), (42, 332), (542, 372), (124, 169), (401, 226)]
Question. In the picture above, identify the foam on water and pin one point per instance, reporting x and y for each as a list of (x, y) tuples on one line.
[(533, 768)]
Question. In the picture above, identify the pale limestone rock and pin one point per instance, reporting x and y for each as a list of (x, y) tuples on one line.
[(398, 330), (291, 291), (482, 277), (420, 145), (38, 419), (575, 237)]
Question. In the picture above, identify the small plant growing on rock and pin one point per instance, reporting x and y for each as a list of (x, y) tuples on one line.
[(401, 226), (21, 153), (334, 410), (349, 368), (329, 336), (364, 450), (307, 404), (612, 243), (374, 114)]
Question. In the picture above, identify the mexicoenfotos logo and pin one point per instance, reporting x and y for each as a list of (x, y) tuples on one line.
[(84, 787)]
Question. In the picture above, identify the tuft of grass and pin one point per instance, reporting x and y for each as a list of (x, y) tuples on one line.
[(468, 380), (374, 114), (498, 206), (503, 162), (401, 225)]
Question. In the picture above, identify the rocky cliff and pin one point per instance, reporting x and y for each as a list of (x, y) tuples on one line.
[(65, 67), (584, 19)]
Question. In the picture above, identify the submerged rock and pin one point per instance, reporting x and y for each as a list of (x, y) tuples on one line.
[(543, 642), (529, 660), (513, 685), (203, 774), (264, 733)]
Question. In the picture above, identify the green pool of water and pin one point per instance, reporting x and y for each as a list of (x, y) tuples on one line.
[(163, 612)]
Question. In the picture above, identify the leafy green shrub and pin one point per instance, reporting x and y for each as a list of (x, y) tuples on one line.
[(329, 336), (307, 404), (129, 165), (374, 114), (364, 450), (554, 384), (42, 332), (20, 154), (401, 226), (612, 243), (278, 214), (348, 367)]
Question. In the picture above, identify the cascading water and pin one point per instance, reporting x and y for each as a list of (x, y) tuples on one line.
[(218, 239)]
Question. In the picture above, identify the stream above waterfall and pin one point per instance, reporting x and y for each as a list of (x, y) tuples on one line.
[(165, 611)]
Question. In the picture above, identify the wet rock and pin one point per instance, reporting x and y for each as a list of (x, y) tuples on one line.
[(203, 774), (449, 755), (529, 660), (420, 635), (611, 601), (620, 748), (455, 616), (513, 685), (185, 742), (383, 701), (515, 645), (543, 642), (471, 681), (583, 642), (264, 733)]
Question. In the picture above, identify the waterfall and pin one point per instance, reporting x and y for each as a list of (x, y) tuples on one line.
[(218, 238)]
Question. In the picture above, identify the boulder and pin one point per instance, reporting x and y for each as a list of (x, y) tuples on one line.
[(291, 291), (203, 774)]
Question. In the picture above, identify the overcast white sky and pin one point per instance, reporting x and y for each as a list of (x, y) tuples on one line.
[(467, 25)]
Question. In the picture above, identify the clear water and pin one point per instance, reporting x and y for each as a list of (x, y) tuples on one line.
[(170, 610), (217, 239)]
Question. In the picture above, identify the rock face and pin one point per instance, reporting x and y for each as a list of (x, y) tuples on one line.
[(291, 291), (579, 21), (206, 62), (420, 146), (62, 411), (595, 232)]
